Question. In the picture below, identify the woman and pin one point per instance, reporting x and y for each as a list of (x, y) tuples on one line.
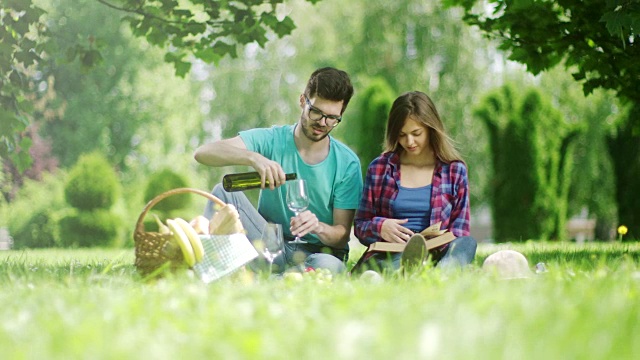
[(419, 180)]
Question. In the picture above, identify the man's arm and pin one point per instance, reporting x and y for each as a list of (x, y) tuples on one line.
[(336, 235), (233, 151), (224, 152)]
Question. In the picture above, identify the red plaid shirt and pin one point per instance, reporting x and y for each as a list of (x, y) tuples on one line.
[(449, 197)]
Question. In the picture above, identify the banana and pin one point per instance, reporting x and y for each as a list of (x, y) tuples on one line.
[(162, 228), (193, 237), (183, 241)]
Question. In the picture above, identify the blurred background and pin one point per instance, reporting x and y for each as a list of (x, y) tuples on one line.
[(107, 138)]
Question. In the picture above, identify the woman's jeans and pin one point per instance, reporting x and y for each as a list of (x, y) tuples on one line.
[(458, 254), (300, 255)]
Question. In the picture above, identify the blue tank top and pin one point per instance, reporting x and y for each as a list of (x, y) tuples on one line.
[(413, 204)]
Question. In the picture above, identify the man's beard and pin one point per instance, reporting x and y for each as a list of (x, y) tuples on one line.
[(307, 130)]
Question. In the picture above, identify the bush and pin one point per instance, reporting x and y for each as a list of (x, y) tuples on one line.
[(89, 229), (163, 181), (37, 232), (32, 216), (92, 184)]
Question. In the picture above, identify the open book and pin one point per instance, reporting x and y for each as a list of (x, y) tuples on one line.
[(435, 237)]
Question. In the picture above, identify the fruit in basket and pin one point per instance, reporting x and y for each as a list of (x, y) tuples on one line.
[(200, 225), (226, 221), (183, 241), (193, 237), (162, 228)]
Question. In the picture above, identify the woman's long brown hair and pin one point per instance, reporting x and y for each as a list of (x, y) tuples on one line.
[(418, 106)]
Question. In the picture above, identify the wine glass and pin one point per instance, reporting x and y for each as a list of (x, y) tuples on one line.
[(272, 243), (297, 201)]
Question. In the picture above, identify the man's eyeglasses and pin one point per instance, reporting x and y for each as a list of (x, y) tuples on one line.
[(316, 114)]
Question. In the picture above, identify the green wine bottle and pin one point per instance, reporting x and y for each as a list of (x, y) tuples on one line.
[(246, 181)]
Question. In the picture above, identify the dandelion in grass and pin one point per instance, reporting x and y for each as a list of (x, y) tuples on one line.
[(622, 231)]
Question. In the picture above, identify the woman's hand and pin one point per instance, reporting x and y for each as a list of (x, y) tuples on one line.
[(393, 231)]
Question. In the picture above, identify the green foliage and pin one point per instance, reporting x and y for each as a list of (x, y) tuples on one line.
[(92, 189), (22, 47), (592, 190), (624, 146), (208, 30), (530, 147), (104, 104), (417, 45), (205, 30), (89, 229), (92, 184), (39, 231), (594, 38), (163, 181), (32, 217), (366, 136)]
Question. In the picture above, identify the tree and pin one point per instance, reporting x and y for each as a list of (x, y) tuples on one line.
[(22, 46), (103, 107), (624, 148), (207, 30), (595, 39), (530, 151), (367, 135), (204, 30)]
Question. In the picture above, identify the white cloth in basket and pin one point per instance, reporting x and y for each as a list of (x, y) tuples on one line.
[(223, 254)]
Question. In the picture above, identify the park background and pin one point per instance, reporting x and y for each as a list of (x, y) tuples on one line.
[(115, 108), (111, 104)]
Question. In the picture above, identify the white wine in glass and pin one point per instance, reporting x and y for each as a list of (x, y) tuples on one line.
[(297, 201)]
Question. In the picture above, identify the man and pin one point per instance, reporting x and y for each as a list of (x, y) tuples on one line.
[(331, 170)]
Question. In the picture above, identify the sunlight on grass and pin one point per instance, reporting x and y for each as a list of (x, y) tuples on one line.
[(92, 304)]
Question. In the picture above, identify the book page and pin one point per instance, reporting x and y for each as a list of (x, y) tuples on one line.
[(433, 230)]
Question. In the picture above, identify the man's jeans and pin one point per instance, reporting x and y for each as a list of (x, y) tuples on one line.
[(304, 255)]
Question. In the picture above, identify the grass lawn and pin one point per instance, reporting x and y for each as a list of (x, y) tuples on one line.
[(91, 304)]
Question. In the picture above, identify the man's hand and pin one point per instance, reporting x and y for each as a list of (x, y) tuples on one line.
[(306, 222), (269, 170), (393, 231)]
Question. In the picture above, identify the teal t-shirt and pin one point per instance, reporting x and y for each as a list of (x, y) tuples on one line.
[(336, 182)]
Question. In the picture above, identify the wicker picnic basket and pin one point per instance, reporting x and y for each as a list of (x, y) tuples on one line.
[(153, 250)]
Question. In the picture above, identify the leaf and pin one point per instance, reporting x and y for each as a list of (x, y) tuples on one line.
[(284, 27), (578, 76), (223, 48), (90, 58), (616, 22), (208, 55), (21, 158), (590, 85), (182, 13), (182, 68), (157, 37), (194, 28)]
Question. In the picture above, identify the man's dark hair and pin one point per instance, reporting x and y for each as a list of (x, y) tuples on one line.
[(330, 84)]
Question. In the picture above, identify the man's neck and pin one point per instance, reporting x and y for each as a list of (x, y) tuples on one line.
[(312, 152)]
